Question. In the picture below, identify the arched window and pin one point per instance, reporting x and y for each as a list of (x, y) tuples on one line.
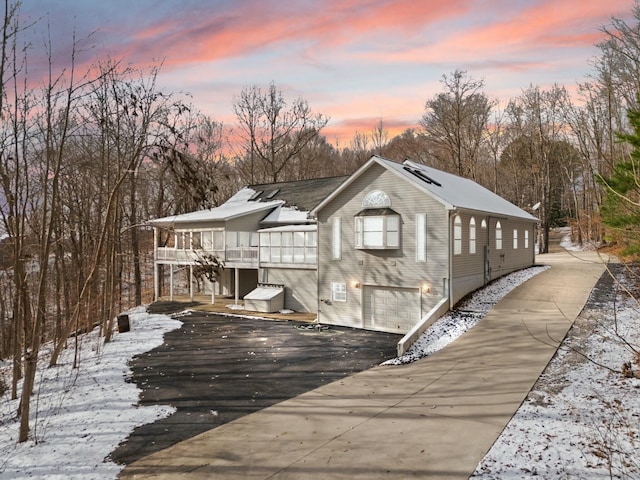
[(457, 235), (483, 224), (498, 236), (472, 236), (376, 199)]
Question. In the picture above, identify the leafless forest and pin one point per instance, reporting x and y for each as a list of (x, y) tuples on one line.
[(88, 155)]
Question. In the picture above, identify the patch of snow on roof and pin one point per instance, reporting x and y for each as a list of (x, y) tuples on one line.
[(286, 215), (236, 206)]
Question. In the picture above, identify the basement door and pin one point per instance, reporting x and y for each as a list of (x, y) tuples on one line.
[(390, 309)]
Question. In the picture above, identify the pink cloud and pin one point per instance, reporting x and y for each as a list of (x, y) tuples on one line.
[(204, 36)]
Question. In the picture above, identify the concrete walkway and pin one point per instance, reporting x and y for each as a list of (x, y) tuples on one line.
[(435, 418)]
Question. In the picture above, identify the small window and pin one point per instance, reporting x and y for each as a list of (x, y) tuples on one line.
[(483, 224), (421, 237), (472, 236), (457, 235), (339, 292), (515, 239), (337, 247), (526, 239), (498, 236), (272, 194), (183, 241), (196, 240), (256, 195)]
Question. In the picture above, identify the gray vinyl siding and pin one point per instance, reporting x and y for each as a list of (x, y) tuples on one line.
[(385, 268), (300, 286), (469, 269)]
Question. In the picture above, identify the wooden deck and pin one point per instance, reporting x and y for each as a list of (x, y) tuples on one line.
[(226, 305)]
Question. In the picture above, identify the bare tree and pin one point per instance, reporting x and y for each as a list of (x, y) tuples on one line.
[(536, 124), (271, 132), (456, 120)]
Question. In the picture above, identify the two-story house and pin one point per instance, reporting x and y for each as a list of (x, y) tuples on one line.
[(389, 248)]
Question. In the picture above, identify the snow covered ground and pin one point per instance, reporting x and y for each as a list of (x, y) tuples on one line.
[(81, 415), (582, 418), (579, 419)]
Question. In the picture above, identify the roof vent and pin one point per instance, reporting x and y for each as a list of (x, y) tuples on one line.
[(422, 176)]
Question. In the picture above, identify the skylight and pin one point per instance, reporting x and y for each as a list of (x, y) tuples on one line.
[(422, 176)]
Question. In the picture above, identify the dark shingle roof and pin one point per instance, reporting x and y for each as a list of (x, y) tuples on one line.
[(302, 194)]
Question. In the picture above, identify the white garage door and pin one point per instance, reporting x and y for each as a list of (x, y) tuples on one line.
[(390, 309)]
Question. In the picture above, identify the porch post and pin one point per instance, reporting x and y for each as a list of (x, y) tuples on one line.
[(171, 283), (156, 273), (191, 283), (213, 290), (237, 279)]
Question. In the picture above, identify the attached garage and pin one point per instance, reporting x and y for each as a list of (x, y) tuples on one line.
[(390, 309)]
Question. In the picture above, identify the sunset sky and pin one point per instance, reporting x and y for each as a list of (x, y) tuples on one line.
[(357, 61)]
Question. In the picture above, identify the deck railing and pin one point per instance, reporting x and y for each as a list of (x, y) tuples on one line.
[(245, 255)]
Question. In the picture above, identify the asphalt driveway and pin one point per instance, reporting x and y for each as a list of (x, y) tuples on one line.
[(215, 369)]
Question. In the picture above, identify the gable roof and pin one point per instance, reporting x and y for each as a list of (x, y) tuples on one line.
[(452, 191), (282, 202)]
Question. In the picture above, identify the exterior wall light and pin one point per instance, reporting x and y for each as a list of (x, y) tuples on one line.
[(355, 284), (426, 288)]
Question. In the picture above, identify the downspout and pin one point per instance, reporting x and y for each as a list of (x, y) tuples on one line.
[(156, 274), (317, 269), (450, 287)]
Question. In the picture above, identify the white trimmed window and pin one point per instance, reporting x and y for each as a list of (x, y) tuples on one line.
[(336, 242), (526, 239), (472, 236), (498, 236), (377, 231), (421, 237), (515, 239), (377, 226), (457, 235), (339, 292), (288, 247)]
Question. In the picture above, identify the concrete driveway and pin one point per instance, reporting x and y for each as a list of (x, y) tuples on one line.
[(435, 418), (216, 369)]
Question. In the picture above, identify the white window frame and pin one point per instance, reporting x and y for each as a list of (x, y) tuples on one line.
[(336, 244), (389, 232), (472, 236), (498, 236), (421, 237), (515, 238), (289, 247), (338, 292), (457, 235), (526, 239)]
